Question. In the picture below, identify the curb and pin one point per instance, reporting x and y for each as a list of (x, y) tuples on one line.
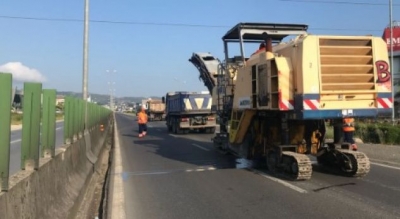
[(116, 202)]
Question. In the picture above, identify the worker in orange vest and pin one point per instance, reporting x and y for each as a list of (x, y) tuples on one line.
[(142, 121), (348, 131)]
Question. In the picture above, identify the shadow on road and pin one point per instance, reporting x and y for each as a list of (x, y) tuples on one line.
[(197, 149), (185, 148)]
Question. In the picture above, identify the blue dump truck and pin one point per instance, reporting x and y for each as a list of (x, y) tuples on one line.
[(187, 111)]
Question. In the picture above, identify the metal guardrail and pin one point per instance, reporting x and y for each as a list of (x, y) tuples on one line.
[(39, 124)]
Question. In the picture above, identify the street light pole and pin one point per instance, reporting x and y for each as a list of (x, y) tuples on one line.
[(85, 60), (391, 55)]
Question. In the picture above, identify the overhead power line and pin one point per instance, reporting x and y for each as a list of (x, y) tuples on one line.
[(340, 2), (161, 23), (109, 21)]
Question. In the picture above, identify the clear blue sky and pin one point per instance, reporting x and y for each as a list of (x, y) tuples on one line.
[(148, 57)]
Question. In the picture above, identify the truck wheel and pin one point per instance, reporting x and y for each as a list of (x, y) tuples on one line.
[(178, 129), (211, 130)]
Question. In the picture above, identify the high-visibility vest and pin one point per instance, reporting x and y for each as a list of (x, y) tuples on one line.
[(142, 118), (348, 125)]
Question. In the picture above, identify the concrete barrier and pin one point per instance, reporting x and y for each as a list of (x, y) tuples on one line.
[(56, 189)]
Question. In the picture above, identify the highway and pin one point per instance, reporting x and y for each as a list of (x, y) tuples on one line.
[(181, 176), (15, 151)]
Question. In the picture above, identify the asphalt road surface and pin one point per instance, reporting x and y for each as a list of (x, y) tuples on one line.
[(15, 151), (181, 176)]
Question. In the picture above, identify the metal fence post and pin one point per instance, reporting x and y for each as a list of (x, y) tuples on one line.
[(31, 125), (81, 118), (49, 123), (76, 118), (67, 124), (90, 110), (5, 128), (72, 119)]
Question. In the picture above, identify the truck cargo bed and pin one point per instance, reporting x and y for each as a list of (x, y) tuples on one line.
[(186, 102)]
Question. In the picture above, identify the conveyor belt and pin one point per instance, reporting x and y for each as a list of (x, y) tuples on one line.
[(207, 65)]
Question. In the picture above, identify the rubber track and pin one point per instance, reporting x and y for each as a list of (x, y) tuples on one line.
[(363, 164), (304, 164)]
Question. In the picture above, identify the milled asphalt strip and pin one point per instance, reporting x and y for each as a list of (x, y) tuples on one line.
[(118, 198), (295, 188)]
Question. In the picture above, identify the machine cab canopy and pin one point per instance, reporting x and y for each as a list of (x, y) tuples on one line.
[(260, 32)]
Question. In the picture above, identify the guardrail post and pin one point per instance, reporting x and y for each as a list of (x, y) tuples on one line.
[(49, 123), (31, 125), (5, 130)]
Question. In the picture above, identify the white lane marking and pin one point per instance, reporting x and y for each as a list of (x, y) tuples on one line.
[(384, 165), (15, 141), (295, 188), (383, 161), (196, 145), (151, 173), (374, 163), (18, 140), (125, 175), (201, 169)]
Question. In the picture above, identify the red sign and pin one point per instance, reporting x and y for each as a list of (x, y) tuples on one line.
[(396, 38)]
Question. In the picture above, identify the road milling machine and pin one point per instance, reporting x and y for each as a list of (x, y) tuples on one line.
[(273, 105)]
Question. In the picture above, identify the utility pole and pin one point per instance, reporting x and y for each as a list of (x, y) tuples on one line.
[(111, 88), (391, 55), (85, 60)]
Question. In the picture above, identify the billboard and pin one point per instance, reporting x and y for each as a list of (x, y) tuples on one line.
[(396, 37), (396, 60)]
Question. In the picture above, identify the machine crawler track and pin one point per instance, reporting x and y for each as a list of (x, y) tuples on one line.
[(345, 162), (359, 162), (301, 168)]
